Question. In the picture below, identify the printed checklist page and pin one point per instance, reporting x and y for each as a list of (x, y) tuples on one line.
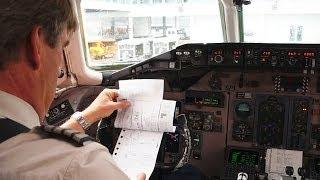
[(136, 152), (148, 110), (143, 125)]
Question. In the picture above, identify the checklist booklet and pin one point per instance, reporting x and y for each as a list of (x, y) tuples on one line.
[(143, 124)]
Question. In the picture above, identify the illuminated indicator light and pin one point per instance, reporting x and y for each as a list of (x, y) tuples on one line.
[(179, 53), (172, 65), (187, 53), (292, 53), (215, 101), (210, 101), (198, 53), (198, 100), (266, 53), (207, 101), (236, 52), (308, 54)]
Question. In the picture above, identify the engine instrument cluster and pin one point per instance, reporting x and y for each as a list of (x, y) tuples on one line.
[(271, 121)]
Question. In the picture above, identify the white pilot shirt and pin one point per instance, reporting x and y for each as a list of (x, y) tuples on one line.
[(30, 156)]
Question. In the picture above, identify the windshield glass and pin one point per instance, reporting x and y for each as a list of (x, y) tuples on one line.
[(119, 33), (282, 21)]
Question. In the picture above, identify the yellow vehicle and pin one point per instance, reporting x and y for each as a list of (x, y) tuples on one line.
[(102, 49)]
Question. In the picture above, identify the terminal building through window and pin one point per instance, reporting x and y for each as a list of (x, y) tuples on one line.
[(119, 33), (282, 21)]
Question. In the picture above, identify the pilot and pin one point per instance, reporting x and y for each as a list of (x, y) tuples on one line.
[(33, 34)]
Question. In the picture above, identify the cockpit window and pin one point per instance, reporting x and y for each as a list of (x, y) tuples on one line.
[(282, 21), (119, 33)]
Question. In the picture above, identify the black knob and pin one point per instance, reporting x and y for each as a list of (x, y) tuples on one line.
[(292, 61), (289, 170), (302, 172)]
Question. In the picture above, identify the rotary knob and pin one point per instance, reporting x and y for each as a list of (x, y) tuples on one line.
[(218, 59), (292, 61)]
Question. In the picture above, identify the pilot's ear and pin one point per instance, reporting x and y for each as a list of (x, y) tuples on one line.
[(34, 47)]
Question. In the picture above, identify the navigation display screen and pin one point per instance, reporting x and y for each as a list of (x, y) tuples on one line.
[(243, 157)]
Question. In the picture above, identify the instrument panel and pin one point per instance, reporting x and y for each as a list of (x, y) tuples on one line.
[(239, 99)]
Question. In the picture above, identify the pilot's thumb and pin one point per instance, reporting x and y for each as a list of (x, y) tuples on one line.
[(141, 176), (120, 104)]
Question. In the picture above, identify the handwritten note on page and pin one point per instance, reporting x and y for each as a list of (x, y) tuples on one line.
[(143, 125)]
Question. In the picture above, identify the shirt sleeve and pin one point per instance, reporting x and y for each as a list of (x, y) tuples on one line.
[(93, 162)]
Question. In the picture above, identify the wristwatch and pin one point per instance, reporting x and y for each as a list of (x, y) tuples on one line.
[(81, 120)]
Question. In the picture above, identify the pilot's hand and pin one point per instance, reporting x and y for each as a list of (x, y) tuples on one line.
[(104, 105), (141, 176)]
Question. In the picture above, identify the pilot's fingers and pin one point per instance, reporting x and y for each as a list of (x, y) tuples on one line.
[(120, 104), (111, 93), (141, 176)]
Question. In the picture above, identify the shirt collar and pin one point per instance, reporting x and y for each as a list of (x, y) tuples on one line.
[(18, 110)]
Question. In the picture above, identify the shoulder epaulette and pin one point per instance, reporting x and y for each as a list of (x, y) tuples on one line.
[(69, 134)]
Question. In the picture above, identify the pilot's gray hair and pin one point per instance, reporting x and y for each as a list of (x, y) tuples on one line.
[(18, 17)]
